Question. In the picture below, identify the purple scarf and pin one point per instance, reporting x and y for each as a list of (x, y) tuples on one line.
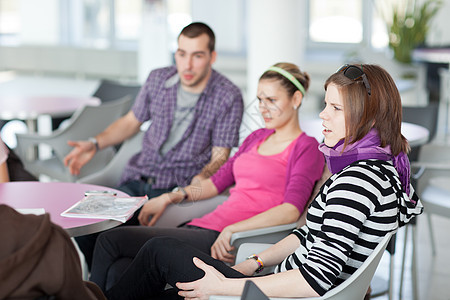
[(366, 148)]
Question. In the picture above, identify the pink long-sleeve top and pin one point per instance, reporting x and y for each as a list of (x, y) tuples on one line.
[(301, 161)]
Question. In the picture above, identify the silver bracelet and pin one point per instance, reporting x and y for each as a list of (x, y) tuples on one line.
[(182, 190), (94, 141)]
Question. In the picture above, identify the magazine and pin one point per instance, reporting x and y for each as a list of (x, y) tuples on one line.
[(112, 207)]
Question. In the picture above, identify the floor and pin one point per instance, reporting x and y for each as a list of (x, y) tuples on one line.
[(433, 272)]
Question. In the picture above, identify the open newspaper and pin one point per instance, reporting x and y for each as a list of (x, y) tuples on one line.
[(105, 207)]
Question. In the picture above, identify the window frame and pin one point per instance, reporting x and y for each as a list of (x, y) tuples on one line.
[(367, 19)]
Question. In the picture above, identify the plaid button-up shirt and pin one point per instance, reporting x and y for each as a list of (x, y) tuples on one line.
[(217, 118)]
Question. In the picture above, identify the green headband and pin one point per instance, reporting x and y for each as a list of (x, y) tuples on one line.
[(290, 77)]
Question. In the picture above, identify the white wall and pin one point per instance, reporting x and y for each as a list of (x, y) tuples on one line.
[(154, 50), (439, 34), (226, 18), (69, 61), (40, 22), (240, 26), (274, 35)]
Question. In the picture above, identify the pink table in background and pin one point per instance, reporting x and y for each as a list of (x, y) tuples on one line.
[(55, 197), (432, 55), (28, 108)]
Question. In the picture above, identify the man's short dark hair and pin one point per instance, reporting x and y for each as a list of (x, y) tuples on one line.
[(196, 29)]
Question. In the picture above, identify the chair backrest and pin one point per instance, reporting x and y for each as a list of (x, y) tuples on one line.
[(177, 214), (247, 249), (355, 287), (110, 175), (438, 157), (271, 235), (109, 90), (425, 116), (88, 121), (252, 292)]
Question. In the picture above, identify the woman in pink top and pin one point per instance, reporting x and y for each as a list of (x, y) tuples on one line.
[(274, 172)]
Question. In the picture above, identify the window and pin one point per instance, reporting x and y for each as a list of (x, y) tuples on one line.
[(335, 21), (379, 36), (345, 24), (95, 23), (107, 23), (178, 16), (85, 23), (127, 19), (9, 21)]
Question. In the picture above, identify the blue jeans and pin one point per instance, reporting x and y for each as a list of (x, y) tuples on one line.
[(135, 188), (138, 188)]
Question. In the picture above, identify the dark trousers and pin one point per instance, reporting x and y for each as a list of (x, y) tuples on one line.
[(116, 248), (135, 188), (160, 261)]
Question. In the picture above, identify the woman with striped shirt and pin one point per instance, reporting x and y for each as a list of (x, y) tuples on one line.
[(368, 195)]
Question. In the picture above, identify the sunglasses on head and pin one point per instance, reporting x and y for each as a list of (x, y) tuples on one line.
[(355, 73)]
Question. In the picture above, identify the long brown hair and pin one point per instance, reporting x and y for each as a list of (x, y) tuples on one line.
[(382, 109)]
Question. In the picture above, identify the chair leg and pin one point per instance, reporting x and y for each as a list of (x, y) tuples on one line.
[(430, 228), (391, 275), (84, 266), (402, 271), (413, 263)]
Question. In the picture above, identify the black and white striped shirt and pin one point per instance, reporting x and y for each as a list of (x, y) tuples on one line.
[(353, 211)]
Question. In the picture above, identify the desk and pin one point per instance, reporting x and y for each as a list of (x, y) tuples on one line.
[(415, 134), (29, 108), (55, 197), (432, 55)]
